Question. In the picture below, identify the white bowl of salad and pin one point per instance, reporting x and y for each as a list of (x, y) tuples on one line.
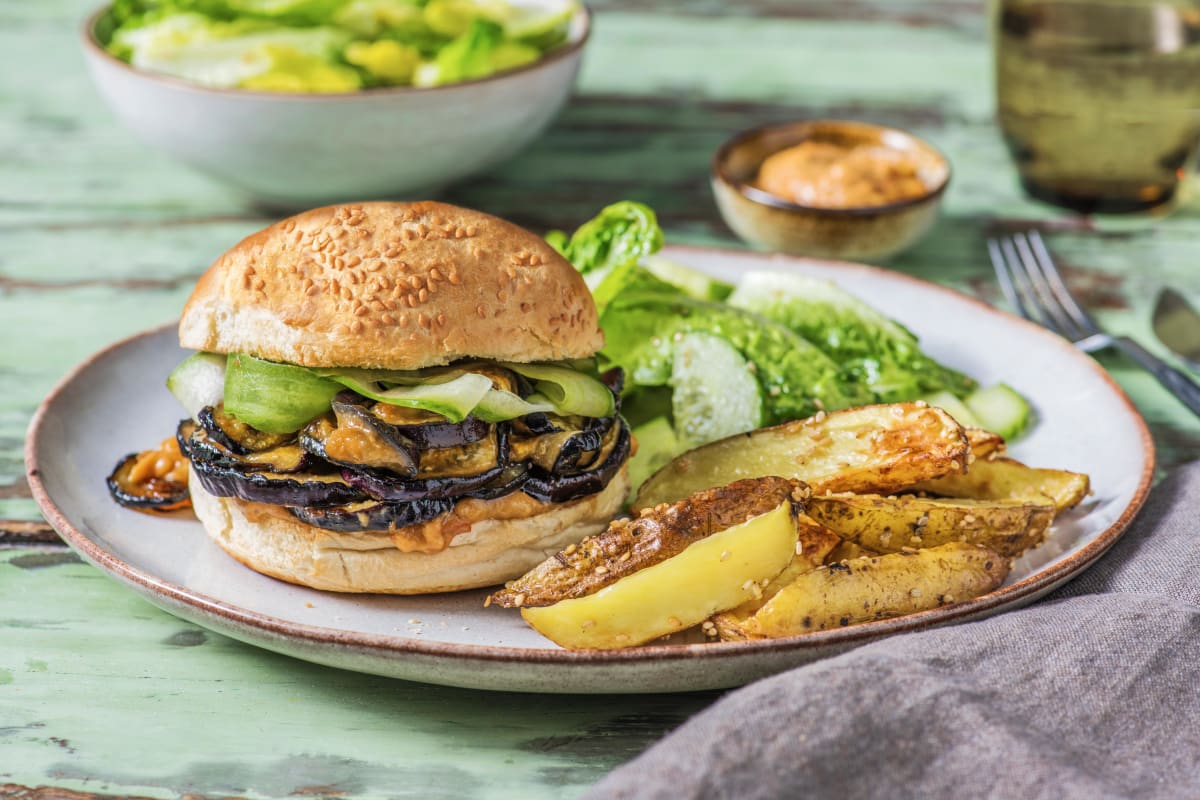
[(300, 102)]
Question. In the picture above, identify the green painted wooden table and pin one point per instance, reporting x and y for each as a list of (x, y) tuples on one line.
[(102, 693)]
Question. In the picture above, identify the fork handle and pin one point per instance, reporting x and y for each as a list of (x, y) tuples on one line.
[(1176, 382)]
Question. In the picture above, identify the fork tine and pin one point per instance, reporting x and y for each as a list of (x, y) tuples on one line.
[(1058, 286), (1064, 323), (1004, 278), (1026, 300)]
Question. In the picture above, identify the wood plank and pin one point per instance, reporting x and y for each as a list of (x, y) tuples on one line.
[(99, 691)]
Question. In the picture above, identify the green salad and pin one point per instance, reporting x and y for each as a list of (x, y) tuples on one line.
[(705, 359), (329, 46)]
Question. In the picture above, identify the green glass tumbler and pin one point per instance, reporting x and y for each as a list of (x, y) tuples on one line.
[(1099, 100)]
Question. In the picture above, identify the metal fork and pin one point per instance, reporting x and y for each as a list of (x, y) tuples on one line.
[(1033, 286)]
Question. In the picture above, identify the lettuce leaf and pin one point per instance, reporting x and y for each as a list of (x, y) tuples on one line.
[(620, 235), (332, 45), (875, 351), (796, 378), (208, 52)]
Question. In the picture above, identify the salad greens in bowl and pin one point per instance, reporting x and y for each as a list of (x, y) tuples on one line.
[(329, 46), (298, 103), (704, 359)]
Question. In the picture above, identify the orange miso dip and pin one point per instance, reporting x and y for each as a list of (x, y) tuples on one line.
[(830, 175)]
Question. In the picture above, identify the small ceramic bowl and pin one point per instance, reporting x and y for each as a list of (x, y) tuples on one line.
[(299, 150), (868, 232)]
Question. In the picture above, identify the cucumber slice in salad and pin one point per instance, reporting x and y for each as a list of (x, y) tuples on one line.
[(716, 394), (954, 407), (997, 408), (1000, 409), (692, 282), (198, 381)]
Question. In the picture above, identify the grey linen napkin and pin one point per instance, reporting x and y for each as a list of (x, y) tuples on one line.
[(1091, 693)]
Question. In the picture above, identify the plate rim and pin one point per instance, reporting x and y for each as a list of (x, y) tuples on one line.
[(1029, 587)]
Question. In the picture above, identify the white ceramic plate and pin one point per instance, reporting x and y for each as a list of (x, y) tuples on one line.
[(116, 402)]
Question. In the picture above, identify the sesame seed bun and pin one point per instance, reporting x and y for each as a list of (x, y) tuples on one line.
[(501, 541), (392, 286)]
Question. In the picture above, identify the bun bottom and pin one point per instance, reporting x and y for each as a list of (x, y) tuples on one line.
[(491, 552)]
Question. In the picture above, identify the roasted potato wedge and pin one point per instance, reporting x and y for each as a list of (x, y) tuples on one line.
[(881, 448), (879, 587), (985, 444), (665, 571), (888, 524), (814, 545), (1006, 479), (847, 550)]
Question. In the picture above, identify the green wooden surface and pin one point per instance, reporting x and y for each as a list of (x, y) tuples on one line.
[(100, 692)]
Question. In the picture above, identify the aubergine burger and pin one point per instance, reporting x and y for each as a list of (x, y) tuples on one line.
[(399, 398)]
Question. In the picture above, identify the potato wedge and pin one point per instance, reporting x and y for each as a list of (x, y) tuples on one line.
[(655, 535), (879, 448), (985, 444), (1006, 479), (814, 544), (847, 550), (717, 572), (887, 524), (866, 589)]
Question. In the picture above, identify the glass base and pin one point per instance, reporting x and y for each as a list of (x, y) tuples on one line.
[(1143, 198)]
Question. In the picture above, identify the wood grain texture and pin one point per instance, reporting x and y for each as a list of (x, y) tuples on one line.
[(101, 694), (100, 691)]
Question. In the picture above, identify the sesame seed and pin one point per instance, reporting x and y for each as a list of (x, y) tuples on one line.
[(914, 592), (357, 326), (601, 570), (571, 548)]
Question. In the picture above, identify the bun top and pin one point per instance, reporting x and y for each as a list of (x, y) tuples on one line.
[(392, 286)]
